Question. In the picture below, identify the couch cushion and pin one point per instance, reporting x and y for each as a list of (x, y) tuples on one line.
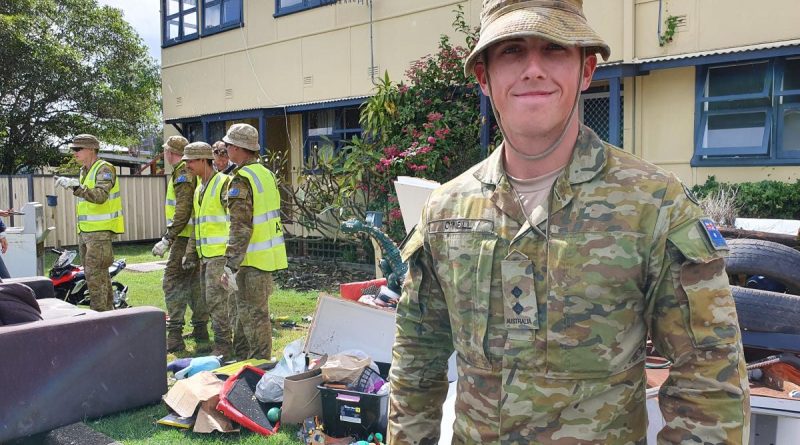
[(55, 308)]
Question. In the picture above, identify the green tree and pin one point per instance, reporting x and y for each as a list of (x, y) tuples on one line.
[(70, 67)]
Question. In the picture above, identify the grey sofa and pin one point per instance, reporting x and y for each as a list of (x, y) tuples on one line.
[(77, 364)]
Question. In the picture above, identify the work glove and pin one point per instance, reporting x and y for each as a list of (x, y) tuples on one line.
[(65, 182), (161, 247), (188, 263), (228, 280)]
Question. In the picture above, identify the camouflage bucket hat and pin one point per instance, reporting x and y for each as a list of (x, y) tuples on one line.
[(85, 141), (176, 144), (244, 136), (197, 150), (557, 21)]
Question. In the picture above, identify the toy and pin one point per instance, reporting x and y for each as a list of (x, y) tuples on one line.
[(392, 266), (274, 414)]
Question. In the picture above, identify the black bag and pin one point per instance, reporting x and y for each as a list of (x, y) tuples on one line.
[(18, 304)]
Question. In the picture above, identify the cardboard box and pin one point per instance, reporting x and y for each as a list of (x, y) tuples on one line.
[(201, 389), (301, 397)]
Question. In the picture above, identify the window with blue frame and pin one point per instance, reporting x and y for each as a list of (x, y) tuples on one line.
[(283, 7), (221, 15), (749, 111), (180, 21), (327, 132)]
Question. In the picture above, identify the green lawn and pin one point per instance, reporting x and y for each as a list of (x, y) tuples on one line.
[(138, 427)]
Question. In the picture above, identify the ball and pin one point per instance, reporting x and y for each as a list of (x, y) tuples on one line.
[(274, 414)]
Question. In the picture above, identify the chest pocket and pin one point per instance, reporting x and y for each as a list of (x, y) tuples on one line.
[(464, 261), (595, 304)]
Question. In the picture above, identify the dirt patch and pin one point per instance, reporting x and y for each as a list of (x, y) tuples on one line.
[(306, 274)]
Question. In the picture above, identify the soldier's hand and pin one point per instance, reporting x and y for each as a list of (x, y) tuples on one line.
[(161, 247), (188, 263), (228, 280), (63, 181), (3, 244)]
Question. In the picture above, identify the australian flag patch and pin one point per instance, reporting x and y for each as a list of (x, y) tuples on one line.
[(181, 178), (107, 176), (233, 193), (712, 232)]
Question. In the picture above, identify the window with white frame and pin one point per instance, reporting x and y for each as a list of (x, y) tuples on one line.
[(749, 110), (219, 15), (180, 21), (283, 7)]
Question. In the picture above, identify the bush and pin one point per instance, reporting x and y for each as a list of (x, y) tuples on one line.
[(764, 199)]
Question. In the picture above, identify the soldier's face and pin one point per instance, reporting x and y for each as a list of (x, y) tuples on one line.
[(84, 156), (533, 84), (195, 166)]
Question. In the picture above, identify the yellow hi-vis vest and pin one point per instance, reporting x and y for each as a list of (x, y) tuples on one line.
[(169, 205), (266, 250), (211, 222), (98, 217)]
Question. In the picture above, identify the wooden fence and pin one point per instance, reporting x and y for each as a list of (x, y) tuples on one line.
[(142, 201)]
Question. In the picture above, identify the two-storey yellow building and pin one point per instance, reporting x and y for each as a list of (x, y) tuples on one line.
[(699, 87)]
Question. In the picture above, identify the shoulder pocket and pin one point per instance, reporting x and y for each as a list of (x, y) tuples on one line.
[(702, 288)]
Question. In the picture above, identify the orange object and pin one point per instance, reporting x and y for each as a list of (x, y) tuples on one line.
[(782, 376), (354, 291)]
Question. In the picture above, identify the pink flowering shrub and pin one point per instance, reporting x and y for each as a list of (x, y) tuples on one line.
[(428, 127)]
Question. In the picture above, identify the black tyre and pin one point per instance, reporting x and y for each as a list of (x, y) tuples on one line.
[(764, 311), (750, 257)]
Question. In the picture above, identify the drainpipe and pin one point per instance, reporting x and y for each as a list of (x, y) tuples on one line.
[(371, 48), (658, 32)]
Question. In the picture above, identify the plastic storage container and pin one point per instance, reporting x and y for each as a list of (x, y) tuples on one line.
[(352, 413)]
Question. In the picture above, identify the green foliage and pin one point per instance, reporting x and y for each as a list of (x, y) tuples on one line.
[(427, 128), (671, 24), (764, 199), (69, 67)]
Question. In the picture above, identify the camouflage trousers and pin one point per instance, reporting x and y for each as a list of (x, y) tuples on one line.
[(182, 288), (96, 257), (219, 302), (252, 332)]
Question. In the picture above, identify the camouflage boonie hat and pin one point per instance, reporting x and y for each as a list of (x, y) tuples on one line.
[(244, 136), (175, 144), (85, 141), (197, 150), (558, 21)]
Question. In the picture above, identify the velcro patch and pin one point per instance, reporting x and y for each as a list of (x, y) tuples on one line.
[(106, 176), (461, 225), (181, 178), (712, 232), (233, 193)]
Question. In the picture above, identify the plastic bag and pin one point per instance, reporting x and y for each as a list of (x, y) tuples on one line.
[(347, 366), (270, 388)]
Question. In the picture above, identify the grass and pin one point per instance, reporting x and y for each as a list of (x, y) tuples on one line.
[(138, 427)]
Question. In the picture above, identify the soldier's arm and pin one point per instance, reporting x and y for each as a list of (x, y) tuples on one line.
[(694, 324), (423, 344), (102, 186), (239, 202), (184, 186)]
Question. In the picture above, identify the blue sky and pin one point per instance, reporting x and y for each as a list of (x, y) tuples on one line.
[(145, 17)]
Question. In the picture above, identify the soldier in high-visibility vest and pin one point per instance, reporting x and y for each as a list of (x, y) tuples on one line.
[(181, 286), (255, 244), (208, 241), (100, 220)]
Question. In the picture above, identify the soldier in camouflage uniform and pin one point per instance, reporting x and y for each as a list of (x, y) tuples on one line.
[(546, 266), (255, 244), (99, 212), (181, 286), (208, 242)]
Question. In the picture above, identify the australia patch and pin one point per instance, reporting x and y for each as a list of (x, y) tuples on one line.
[(181, 178), (712, 232), (106, 176), (233, 193)]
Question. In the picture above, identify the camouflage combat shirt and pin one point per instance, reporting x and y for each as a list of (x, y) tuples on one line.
[(549, 315), (183, 183)]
